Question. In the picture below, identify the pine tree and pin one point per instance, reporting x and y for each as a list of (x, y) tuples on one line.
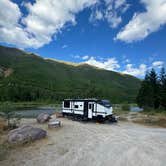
[(148, 96), (144, 98), (163, 88), (155, 88)]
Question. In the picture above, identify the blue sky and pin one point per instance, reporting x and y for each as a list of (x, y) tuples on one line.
[(120, 35)]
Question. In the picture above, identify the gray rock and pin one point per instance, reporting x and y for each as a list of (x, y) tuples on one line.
[(25, 134), (43, 117), (54, 124)]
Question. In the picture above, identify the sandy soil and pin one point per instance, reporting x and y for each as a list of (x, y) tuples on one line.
[(92, 144)]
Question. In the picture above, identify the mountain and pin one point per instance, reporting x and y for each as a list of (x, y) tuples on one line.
[(27, 77)]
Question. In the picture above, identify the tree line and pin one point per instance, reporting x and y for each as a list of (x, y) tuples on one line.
[(15, 91), (152, 94)]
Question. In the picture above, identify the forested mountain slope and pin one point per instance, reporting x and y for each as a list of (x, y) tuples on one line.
[(28, 77)]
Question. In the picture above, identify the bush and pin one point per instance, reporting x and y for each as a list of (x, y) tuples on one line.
[(126, 107)]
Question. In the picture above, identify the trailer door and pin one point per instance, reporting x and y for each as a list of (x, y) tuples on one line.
[(90, 110), (86, 109)]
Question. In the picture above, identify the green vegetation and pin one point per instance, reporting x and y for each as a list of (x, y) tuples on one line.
[(157, 113), (126, 107), (152, 118), (28, 77), (152, 94), (7, 112)]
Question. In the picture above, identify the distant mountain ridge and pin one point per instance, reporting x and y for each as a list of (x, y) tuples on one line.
[(31, 77)]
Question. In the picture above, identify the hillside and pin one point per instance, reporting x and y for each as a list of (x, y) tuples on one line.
[(27, 77)]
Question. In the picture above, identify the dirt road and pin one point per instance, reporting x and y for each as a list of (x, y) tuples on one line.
[(91, 144)]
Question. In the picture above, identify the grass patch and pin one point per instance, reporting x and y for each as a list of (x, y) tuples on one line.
[(150, 121), (153, 118), (157, 113), (120, 112)]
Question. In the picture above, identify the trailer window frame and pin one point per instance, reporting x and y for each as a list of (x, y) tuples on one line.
[(66, 104), (91, 106)]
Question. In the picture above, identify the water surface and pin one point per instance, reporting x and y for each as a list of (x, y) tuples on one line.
[(32, 112)]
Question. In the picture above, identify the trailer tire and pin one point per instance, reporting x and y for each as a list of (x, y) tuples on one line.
[(100, 118)]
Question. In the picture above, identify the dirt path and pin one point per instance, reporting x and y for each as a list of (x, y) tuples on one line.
[(91, 144)]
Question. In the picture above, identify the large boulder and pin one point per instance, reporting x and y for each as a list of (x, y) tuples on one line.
[(25, 134), (43, 117)]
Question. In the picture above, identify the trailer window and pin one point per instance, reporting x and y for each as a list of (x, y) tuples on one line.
[(91, 106), (76, 106), (67, 104)]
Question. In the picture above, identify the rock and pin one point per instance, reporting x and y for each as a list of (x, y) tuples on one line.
[(54, 124), (25, 134), (43, 117)]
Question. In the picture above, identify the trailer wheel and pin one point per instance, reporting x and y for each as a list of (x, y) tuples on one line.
[(100, 118), (64, 115)]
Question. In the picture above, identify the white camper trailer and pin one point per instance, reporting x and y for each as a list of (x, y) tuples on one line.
[(88, 109)]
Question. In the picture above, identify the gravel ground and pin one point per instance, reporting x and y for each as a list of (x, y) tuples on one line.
[(93, 144)]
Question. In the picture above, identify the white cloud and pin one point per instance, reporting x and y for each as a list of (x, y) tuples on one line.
[(143, 24), (110, 64), (127, 60), (140, 71), (158, 64), (113, 65), (6, 16), (112, 12), (119, 3), (64, 46), (44, 20), (11, 31), (96, 15), (76, 56), (85, 57), (113, 19)]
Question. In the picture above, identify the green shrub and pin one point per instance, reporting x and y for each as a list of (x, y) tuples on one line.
[(126, 107)]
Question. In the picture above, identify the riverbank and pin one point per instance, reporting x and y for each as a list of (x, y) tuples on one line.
[(125, 112)]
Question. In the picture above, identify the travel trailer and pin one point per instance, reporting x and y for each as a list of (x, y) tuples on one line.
[(85, 109)]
